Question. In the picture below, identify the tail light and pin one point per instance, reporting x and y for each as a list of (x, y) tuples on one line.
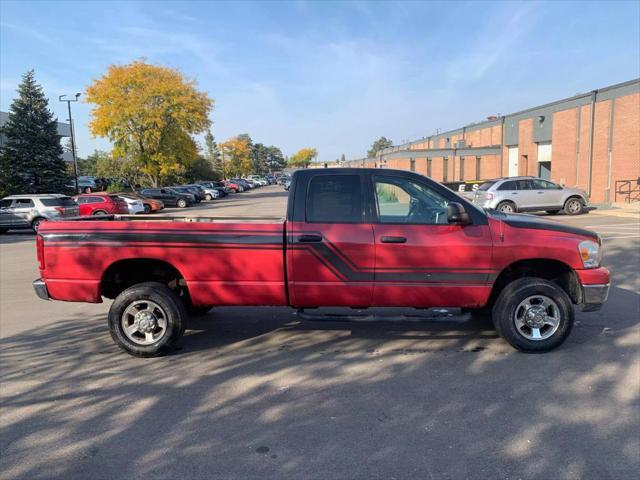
[(40, 251)]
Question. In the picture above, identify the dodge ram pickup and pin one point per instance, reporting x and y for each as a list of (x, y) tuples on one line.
[(355, 238)]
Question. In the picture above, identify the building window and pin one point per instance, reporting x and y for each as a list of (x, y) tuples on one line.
[(461, 168), (478, 162), (412, 164), (429, 160), (445, 169)]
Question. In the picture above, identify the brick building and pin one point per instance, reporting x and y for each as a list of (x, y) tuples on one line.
[(590, 140)]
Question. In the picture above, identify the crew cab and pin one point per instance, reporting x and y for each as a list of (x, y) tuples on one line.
[(352, 238)]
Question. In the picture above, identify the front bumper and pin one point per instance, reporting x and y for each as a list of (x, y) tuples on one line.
[(41, 289), (594, 296)]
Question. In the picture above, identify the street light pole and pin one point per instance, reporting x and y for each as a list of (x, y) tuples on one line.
[(73, 140)]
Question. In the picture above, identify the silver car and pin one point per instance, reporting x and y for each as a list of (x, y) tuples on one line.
[(29, 211), (530, 194)]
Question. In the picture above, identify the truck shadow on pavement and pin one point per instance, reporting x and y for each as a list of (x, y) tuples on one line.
[(255, 393)]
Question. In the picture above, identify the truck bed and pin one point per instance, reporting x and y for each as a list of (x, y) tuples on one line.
[(223, 260)]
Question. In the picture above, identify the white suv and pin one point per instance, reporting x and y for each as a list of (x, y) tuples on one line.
[(530, 194), (28, 211)]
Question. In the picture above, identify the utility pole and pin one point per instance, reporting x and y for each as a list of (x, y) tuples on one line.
[(73, 140)]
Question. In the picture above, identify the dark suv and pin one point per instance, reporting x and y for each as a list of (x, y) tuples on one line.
[(169, 197)]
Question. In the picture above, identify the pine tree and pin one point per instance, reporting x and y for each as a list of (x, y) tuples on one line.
[(31, 158)]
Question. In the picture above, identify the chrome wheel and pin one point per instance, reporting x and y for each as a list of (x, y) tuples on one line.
[(506, 208), (144, 322), (537, 317), (574, 207)]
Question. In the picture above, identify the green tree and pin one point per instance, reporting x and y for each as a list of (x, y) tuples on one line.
[(303, 157), (260, 158), (275, 159), (149, 112), (212, 154), (343, 159), (378, 145), (199, 169), (31, 158)]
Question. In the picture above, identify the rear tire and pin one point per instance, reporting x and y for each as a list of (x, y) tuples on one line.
[(533, 315), (99, 212), (182, 203), (573, 206), (505, 207), (35, 224), (153, 335)]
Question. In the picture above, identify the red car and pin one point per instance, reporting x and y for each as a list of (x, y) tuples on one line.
[(99, 204), (234, 187), (354, 238)]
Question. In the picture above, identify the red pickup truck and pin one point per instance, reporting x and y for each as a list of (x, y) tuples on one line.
[(352, 237)]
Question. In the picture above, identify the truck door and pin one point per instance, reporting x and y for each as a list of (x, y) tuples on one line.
[(421, 260), (330, 253)]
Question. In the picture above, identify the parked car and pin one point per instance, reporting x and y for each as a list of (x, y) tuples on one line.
[(86, 184), (466, 189), (197, 190), (29, 211), (283, 178), (223, 190), (211, 193), (261, 181), (387, 238), (101, 204), (169, 197), (134, 205), (149, 205), (245, 185), (287, 184), (186, 191), (530, 194), (235, 187)]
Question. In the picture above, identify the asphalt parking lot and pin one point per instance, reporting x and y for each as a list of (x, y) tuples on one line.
[(256, 393)]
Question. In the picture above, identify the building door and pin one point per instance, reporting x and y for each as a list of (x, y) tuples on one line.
[(544, 160), (513, 161)]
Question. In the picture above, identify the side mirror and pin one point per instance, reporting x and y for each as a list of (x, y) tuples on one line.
[(456, 215)]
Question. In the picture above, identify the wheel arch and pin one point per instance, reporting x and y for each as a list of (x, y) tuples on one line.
[(124, 273), (555, 271)]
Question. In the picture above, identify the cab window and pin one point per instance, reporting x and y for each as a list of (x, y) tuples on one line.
[(334, 199), (401, 200)]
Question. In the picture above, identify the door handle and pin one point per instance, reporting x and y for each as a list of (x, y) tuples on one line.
[(393, 240), (310, 238)]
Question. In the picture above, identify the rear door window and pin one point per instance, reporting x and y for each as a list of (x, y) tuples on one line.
[(509, 185), (334, 199), (524, 184)]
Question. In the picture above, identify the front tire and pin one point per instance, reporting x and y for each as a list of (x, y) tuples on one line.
[(506, 207), (182, 203), (573, 206), (147, 319), (147, 208), (533, 315), (99, 212)]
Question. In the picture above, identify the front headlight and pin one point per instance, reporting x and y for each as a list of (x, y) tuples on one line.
[(590, 253)]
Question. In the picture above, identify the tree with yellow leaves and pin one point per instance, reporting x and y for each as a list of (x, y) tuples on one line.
[(150, 113), (236, 156), (303, 157)]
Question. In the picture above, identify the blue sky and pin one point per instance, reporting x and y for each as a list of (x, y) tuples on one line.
[(332, 75)]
